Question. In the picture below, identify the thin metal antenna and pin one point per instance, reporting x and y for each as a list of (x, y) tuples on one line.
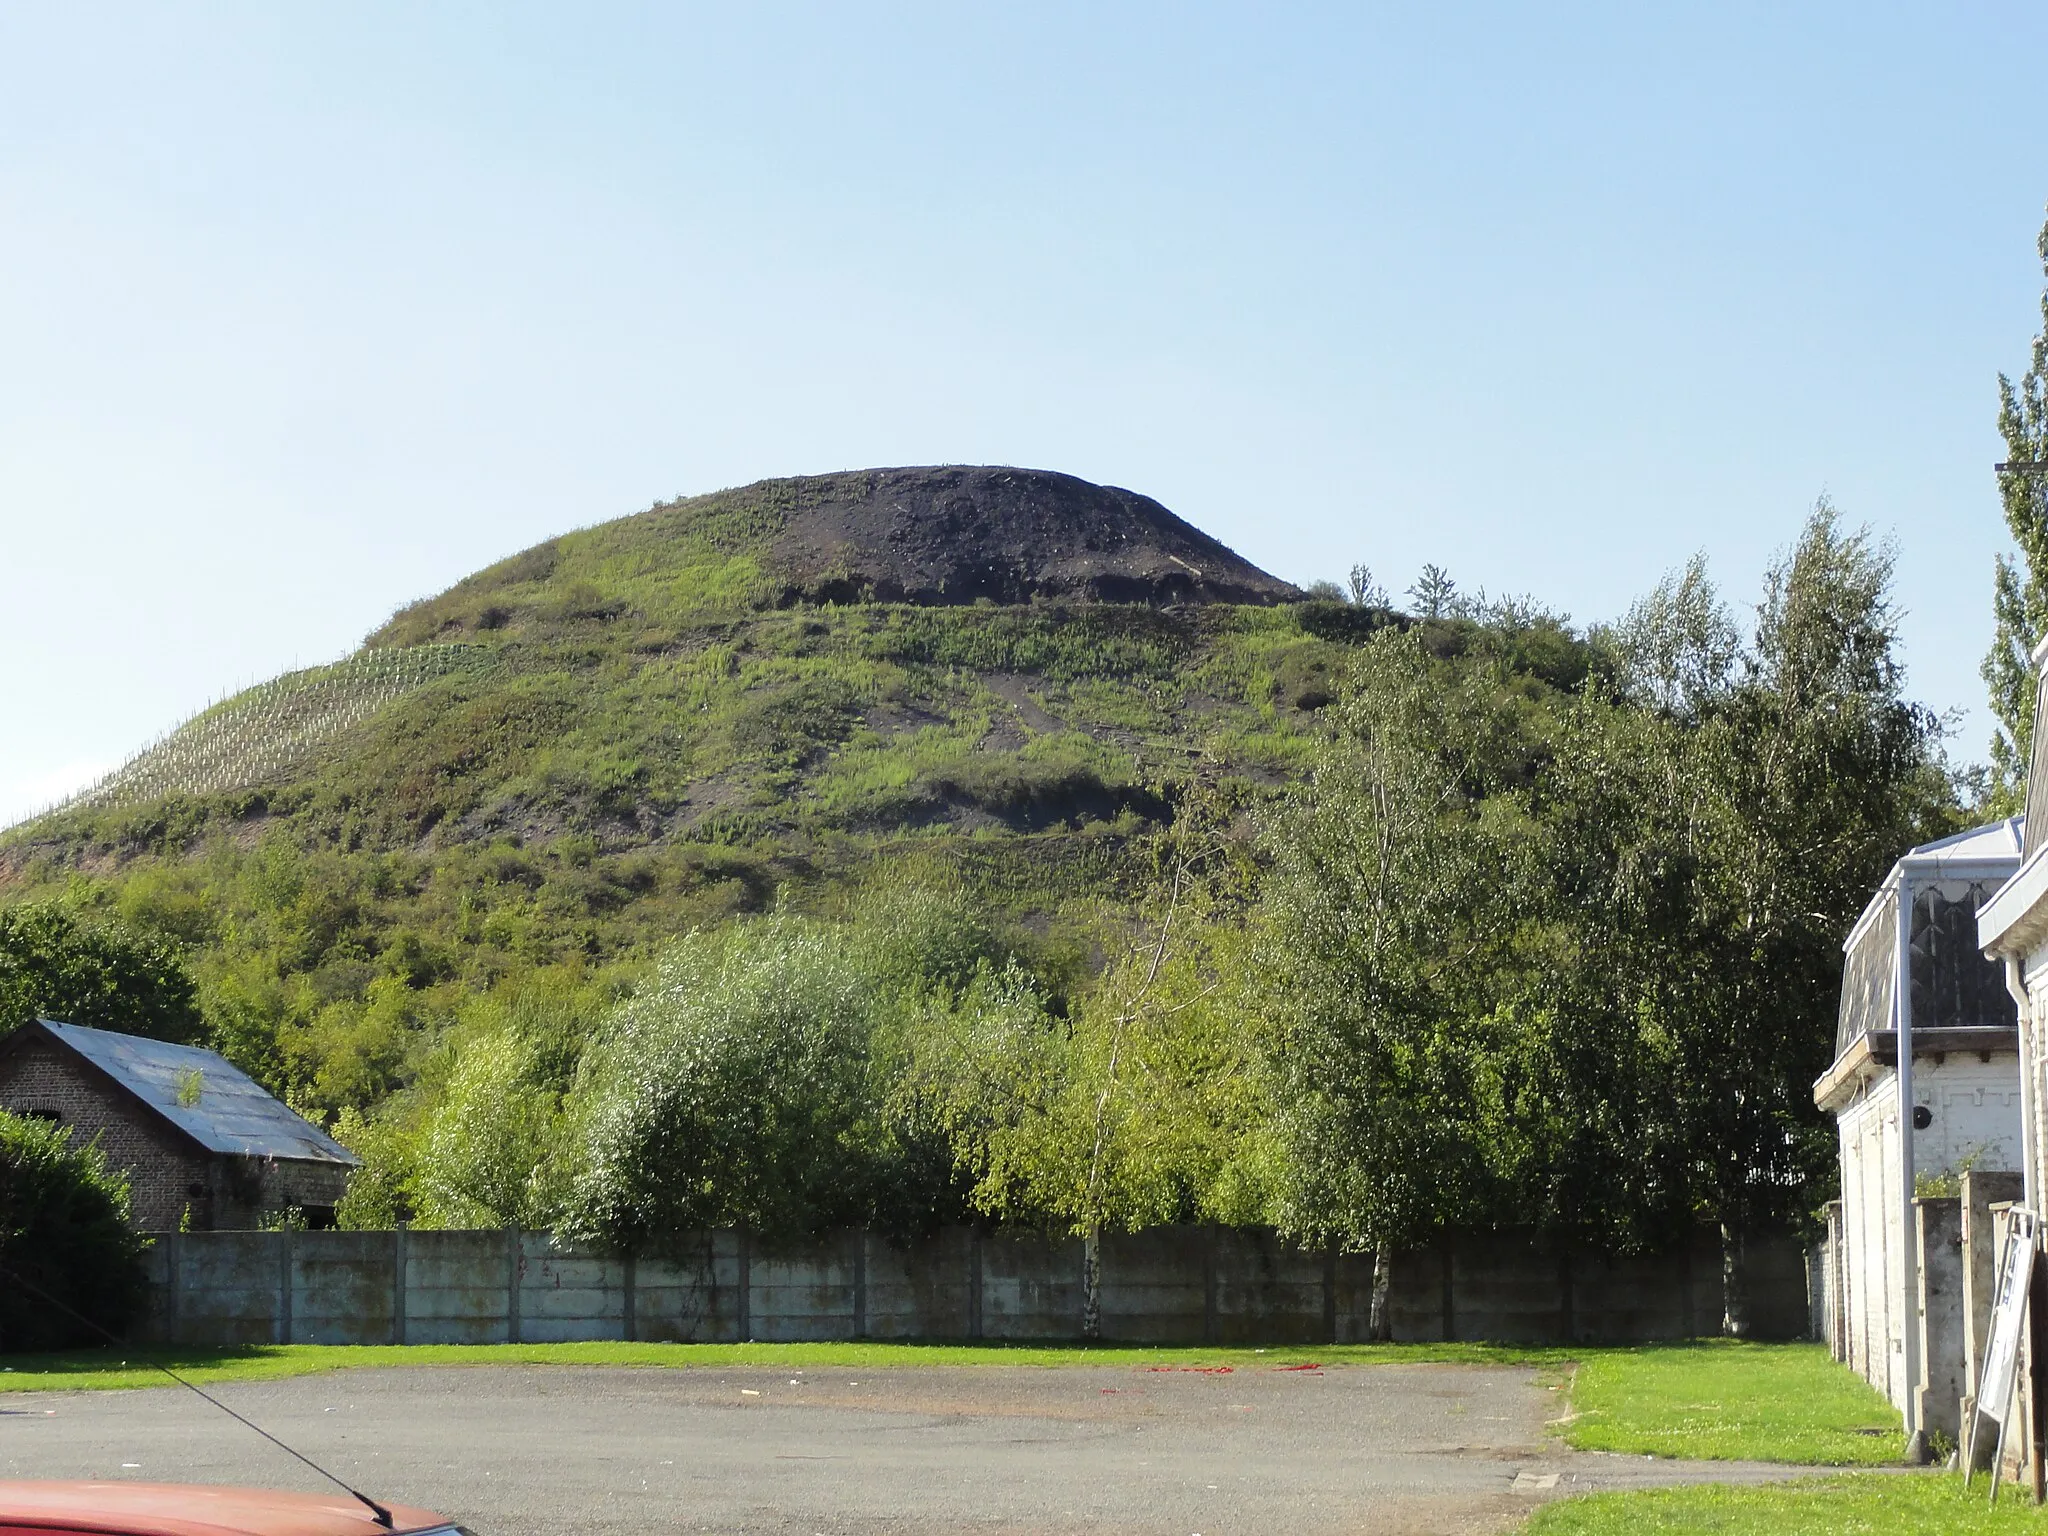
[(383, 1515)]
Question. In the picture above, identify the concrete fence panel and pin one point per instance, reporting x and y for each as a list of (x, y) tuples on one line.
[(807, 1293), (1509, 1289), (692, 1294), (566, 1295), (1168, 1285), (1422, 1295), (344, 1291), (1780, 1304), (1267, 1291), (1624, 1299), (459, 1287), (926, 1290), (1157, 1286), (1031, 1287), (230, 1288)]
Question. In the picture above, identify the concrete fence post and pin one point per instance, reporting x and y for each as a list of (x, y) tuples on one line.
[(860, 1284), (1688, 1321), (512, 1268), (284, 1286), (174, 1282), (974, 1285), (398, 1257), (1329, 1295), (1567, 1324), (629, 1281), (1209, 1329), (1449, 1301), (746, 1298)]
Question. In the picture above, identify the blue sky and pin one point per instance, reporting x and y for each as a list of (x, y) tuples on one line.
[(307, 312)]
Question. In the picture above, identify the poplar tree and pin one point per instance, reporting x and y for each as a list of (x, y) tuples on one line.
[(2020, 586)]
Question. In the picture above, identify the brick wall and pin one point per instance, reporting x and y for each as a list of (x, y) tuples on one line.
[(168, 1174)]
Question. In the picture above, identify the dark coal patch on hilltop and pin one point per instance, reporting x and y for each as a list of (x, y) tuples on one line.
[(965, 534)]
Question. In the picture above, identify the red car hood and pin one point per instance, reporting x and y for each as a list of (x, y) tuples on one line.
[(177, 1509)]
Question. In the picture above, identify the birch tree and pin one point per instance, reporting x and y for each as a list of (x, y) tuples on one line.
[(2019, 595)]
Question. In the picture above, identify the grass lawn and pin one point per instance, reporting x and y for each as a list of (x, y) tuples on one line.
[(1721, 1400), (1859, 1504), (130, 1368)]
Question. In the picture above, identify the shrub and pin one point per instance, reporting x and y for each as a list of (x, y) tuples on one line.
[(486, 1140), (64, 1231), (733, 1090), (380, 1192)]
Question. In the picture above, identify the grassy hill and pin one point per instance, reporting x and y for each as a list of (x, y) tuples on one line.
[(1000, 679)]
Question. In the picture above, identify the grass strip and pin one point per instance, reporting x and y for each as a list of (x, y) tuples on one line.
[(1853, 1504), (82, 1370), (1731, 1400)]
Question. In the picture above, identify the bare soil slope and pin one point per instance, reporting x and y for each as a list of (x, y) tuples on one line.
[(962, 534)]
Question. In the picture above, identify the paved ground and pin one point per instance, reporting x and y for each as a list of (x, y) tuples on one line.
[(562, 1451)]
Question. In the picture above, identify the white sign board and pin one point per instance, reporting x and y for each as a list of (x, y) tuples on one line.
[(2008, 1322)]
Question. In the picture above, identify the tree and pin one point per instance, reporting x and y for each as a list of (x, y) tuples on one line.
[(64, 1232), (1137, 1108), (1678, 646), (1363, 591), (1578, 969), (2019, 599), (1718, 844), (102, 975), (1435, 594), (1392, 902)]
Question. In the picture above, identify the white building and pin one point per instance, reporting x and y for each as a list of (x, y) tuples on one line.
[(2013, 929), (1926, 983)]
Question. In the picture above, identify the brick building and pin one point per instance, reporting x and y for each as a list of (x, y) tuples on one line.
[(202, 1143)]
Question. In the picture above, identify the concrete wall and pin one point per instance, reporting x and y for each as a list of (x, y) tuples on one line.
[(1177, 1284), (1939, 1223), (1957, 1255)]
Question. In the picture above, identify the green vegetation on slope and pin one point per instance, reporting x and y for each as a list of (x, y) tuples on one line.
[(604, 748)]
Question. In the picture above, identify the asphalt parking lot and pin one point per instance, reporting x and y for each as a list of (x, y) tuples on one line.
[(559, 1451)]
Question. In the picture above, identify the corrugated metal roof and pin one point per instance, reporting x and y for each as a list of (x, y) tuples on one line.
[(228, 1110), (1999, 840)]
